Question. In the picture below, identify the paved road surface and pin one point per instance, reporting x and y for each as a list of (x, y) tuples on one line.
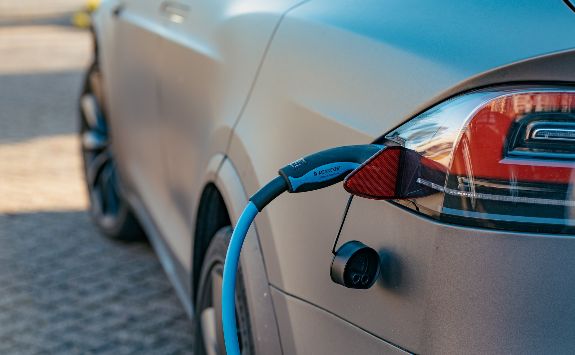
[(64, 289)]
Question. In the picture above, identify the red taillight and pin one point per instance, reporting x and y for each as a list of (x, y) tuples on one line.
[(481, 150), (496, 158)]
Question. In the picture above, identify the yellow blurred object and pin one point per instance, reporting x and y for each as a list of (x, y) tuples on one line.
[(81, 19), (92, 5)]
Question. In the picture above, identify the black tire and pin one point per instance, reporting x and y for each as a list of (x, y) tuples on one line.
[(108, 208), (212, 270)]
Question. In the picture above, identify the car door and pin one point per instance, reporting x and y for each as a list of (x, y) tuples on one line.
[(130, 68), (209, 59)]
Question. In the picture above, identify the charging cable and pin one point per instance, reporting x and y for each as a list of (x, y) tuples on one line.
[(314, 172)]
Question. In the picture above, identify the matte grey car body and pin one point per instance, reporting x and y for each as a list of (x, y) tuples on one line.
[(222, 93)]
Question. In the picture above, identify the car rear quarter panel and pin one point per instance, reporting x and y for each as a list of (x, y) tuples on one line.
[(447, 290), (344, 73)]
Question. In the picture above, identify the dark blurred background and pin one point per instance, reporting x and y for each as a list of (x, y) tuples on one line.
[(63, 287)]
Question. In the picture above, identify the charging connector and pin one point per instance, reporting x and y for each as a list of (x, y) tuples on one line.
[(310, 173)]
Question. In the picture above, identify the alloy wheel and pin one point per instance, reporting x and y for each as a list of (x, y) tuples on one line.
[(99, 166)]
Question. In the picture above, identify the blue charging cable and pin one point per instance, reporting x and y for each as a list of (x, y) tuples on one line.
[(313, 172), (229, 282)]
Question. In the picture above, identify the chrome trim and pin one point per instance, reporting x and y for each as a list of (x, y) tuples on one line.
[(502, 198), (553, 134)]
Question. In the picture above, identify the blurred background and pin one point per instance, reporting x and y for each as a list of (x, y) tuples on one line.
[(64, 288)]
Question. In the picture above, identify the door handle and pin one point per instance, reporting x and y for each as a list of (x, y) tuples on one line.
[(117, 10), (175, 11)]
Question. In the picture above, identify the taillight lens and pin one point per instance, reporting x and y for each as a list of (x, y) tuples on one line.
[(496, 158)]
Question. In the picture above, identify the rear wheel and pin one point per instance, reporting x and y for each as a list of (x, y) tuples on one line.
[(109, 210), (209, 338)]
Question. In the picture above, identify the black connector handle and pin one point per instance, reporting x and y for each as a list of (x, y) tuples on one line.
[(268, 193), (327, 167)]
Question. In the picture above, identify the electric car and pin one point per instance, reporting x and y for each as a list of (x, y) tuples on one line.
[(191, 106)]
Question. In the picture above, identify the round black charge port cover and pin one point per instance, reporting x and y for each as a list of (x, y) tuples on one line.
[(355, 265)]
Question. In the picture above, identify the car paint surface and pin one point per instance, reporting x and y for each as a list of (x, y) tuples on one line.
[(265, 82)]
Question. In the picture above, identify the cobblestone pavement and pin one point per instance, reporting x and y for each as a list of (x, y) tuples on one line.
[(65, 289)]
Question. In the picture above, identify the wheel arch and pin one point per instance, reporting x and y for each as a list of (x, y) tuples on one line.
[(212, 216), (224, 190)]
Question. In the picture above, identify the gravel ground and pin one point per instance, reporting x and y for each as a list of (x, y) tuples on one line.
[(64, 289)]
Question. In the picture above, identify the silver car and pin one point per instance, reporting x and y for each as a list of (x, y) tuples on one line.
[(191, 106)]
